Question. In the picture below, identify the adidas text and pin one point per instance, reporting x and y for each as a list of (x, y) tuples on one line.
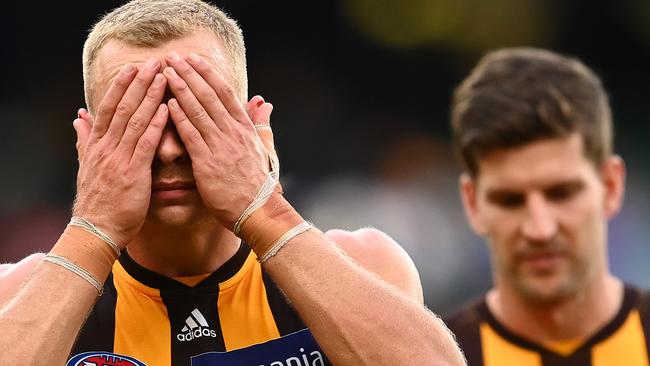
[(196, 333)]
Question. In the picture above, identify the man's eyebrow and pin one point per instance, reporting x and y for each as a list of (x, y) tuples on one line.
[(496, 193)]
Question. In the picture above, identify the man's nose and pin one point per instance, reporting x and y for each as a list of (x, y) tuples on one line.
[(171, 149), (540, 223)]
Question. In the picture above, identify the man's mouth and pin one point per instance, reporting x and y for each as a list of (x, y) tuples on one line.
[(168, 190)]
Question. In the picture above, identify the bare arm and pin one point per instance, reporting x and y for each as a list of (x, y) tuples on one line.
[(48, 311), (14, 275), (356, 317), (379, 254)]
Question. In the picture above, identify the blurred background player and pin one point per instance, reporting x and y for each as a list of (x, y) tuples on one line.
[(533, 130)]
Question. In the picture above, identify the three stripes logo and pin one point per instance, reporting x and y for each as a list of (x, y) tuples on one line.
[(195, 327)]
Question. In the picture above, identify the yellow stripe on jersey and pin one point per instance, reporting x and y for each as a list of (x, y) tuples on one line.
[(192, 280), (565, 348), (140, 314), (243, 296), (499, 352), (625, 347)]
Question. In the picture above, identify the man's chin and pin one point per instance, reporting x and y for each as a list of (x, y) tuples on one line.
[(547, 290), (176, 216)]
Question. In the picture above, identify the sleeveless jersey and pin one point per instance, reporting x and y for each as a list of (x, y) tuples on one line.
[(623, 341), (235, 316)]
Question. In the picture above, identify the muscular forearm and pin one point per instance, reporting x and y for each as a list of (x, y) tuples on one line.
[(357, 318), (45, 317), (40, 324)]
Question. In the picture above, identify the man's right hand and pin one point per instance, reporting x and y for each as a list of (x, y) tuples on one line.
[(117, 149)]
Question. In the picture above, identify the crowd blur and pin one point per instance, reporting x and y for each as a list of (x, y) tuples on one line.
[(361, 90)]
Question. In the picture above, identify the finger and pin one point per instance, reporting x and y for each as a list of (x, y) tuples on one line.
[(262, 116), (189, 134), (82, 128), (140, 120), (262, 121), (131, 101), (83, 114), (110, 101), (226, 92), (203, 93), (253, 104), (194, 111), (148, 142)]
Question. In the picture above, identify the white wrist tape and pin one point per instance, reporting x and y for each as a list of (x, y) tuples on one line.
[(69, 265)]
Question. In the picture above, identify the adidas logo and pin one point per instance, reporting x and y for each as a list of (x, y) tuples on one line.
[(195, 327)]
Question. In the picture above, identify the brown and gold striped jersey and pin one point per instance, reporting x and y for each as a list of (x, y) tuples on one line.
[(234, 316), (624, 341)]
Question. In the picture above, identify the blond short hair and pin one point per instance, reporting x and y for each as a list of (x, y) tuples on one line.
[(150, 23)]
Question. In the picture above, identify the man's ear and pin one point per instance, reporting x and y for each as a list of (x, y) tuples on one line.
[(613, 177), (468, 195)]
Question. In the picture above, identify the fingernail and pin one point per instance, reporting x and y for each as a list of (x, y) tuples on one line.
[(152, 63), (195, 58), (158, 80), (80, 112), (174, 56), (128, 68), (169, 71)]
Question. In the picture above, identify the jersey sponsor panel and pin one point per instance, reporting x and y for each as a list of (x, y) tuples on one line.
[(296, 349)]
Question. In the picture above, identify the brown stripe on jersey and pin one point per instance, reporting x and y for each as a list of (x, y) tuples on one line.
[(97, 333), (194, 321), (141, 327), (245, 314), (286, 318)]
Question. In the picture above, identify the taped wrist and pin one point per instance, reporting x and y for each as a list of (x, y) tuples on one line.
[(269, 223), (85, 250)]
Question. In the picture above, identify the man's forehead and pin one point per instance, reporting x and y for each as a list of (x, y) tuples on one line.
[(542, 163), (116, 53)]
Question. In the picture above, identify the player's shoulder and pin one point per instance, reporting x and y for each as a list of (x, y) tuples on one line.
[(377, 252), (366, 244), (24, 265), (467, 317)]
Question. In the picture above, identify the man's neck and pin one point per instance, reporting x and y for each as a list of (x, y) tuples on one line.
[(575, 318), (183, 251)]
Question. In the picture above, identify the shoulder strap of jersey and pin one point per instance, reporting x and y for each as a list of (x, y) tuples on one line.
[(644, 305)]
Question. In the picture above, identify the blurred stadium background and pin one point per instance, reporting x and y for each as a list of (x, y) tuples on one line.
[(361, 90)]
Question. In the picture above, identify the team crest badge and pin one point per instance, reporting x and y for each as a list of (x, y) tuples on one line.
[(103, 359)]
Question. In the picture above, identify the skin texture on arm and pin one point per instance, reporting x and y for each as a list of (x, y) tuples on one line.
[(14, 275), (45, 317), (376, 252), (327, 287), (356, 317)]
